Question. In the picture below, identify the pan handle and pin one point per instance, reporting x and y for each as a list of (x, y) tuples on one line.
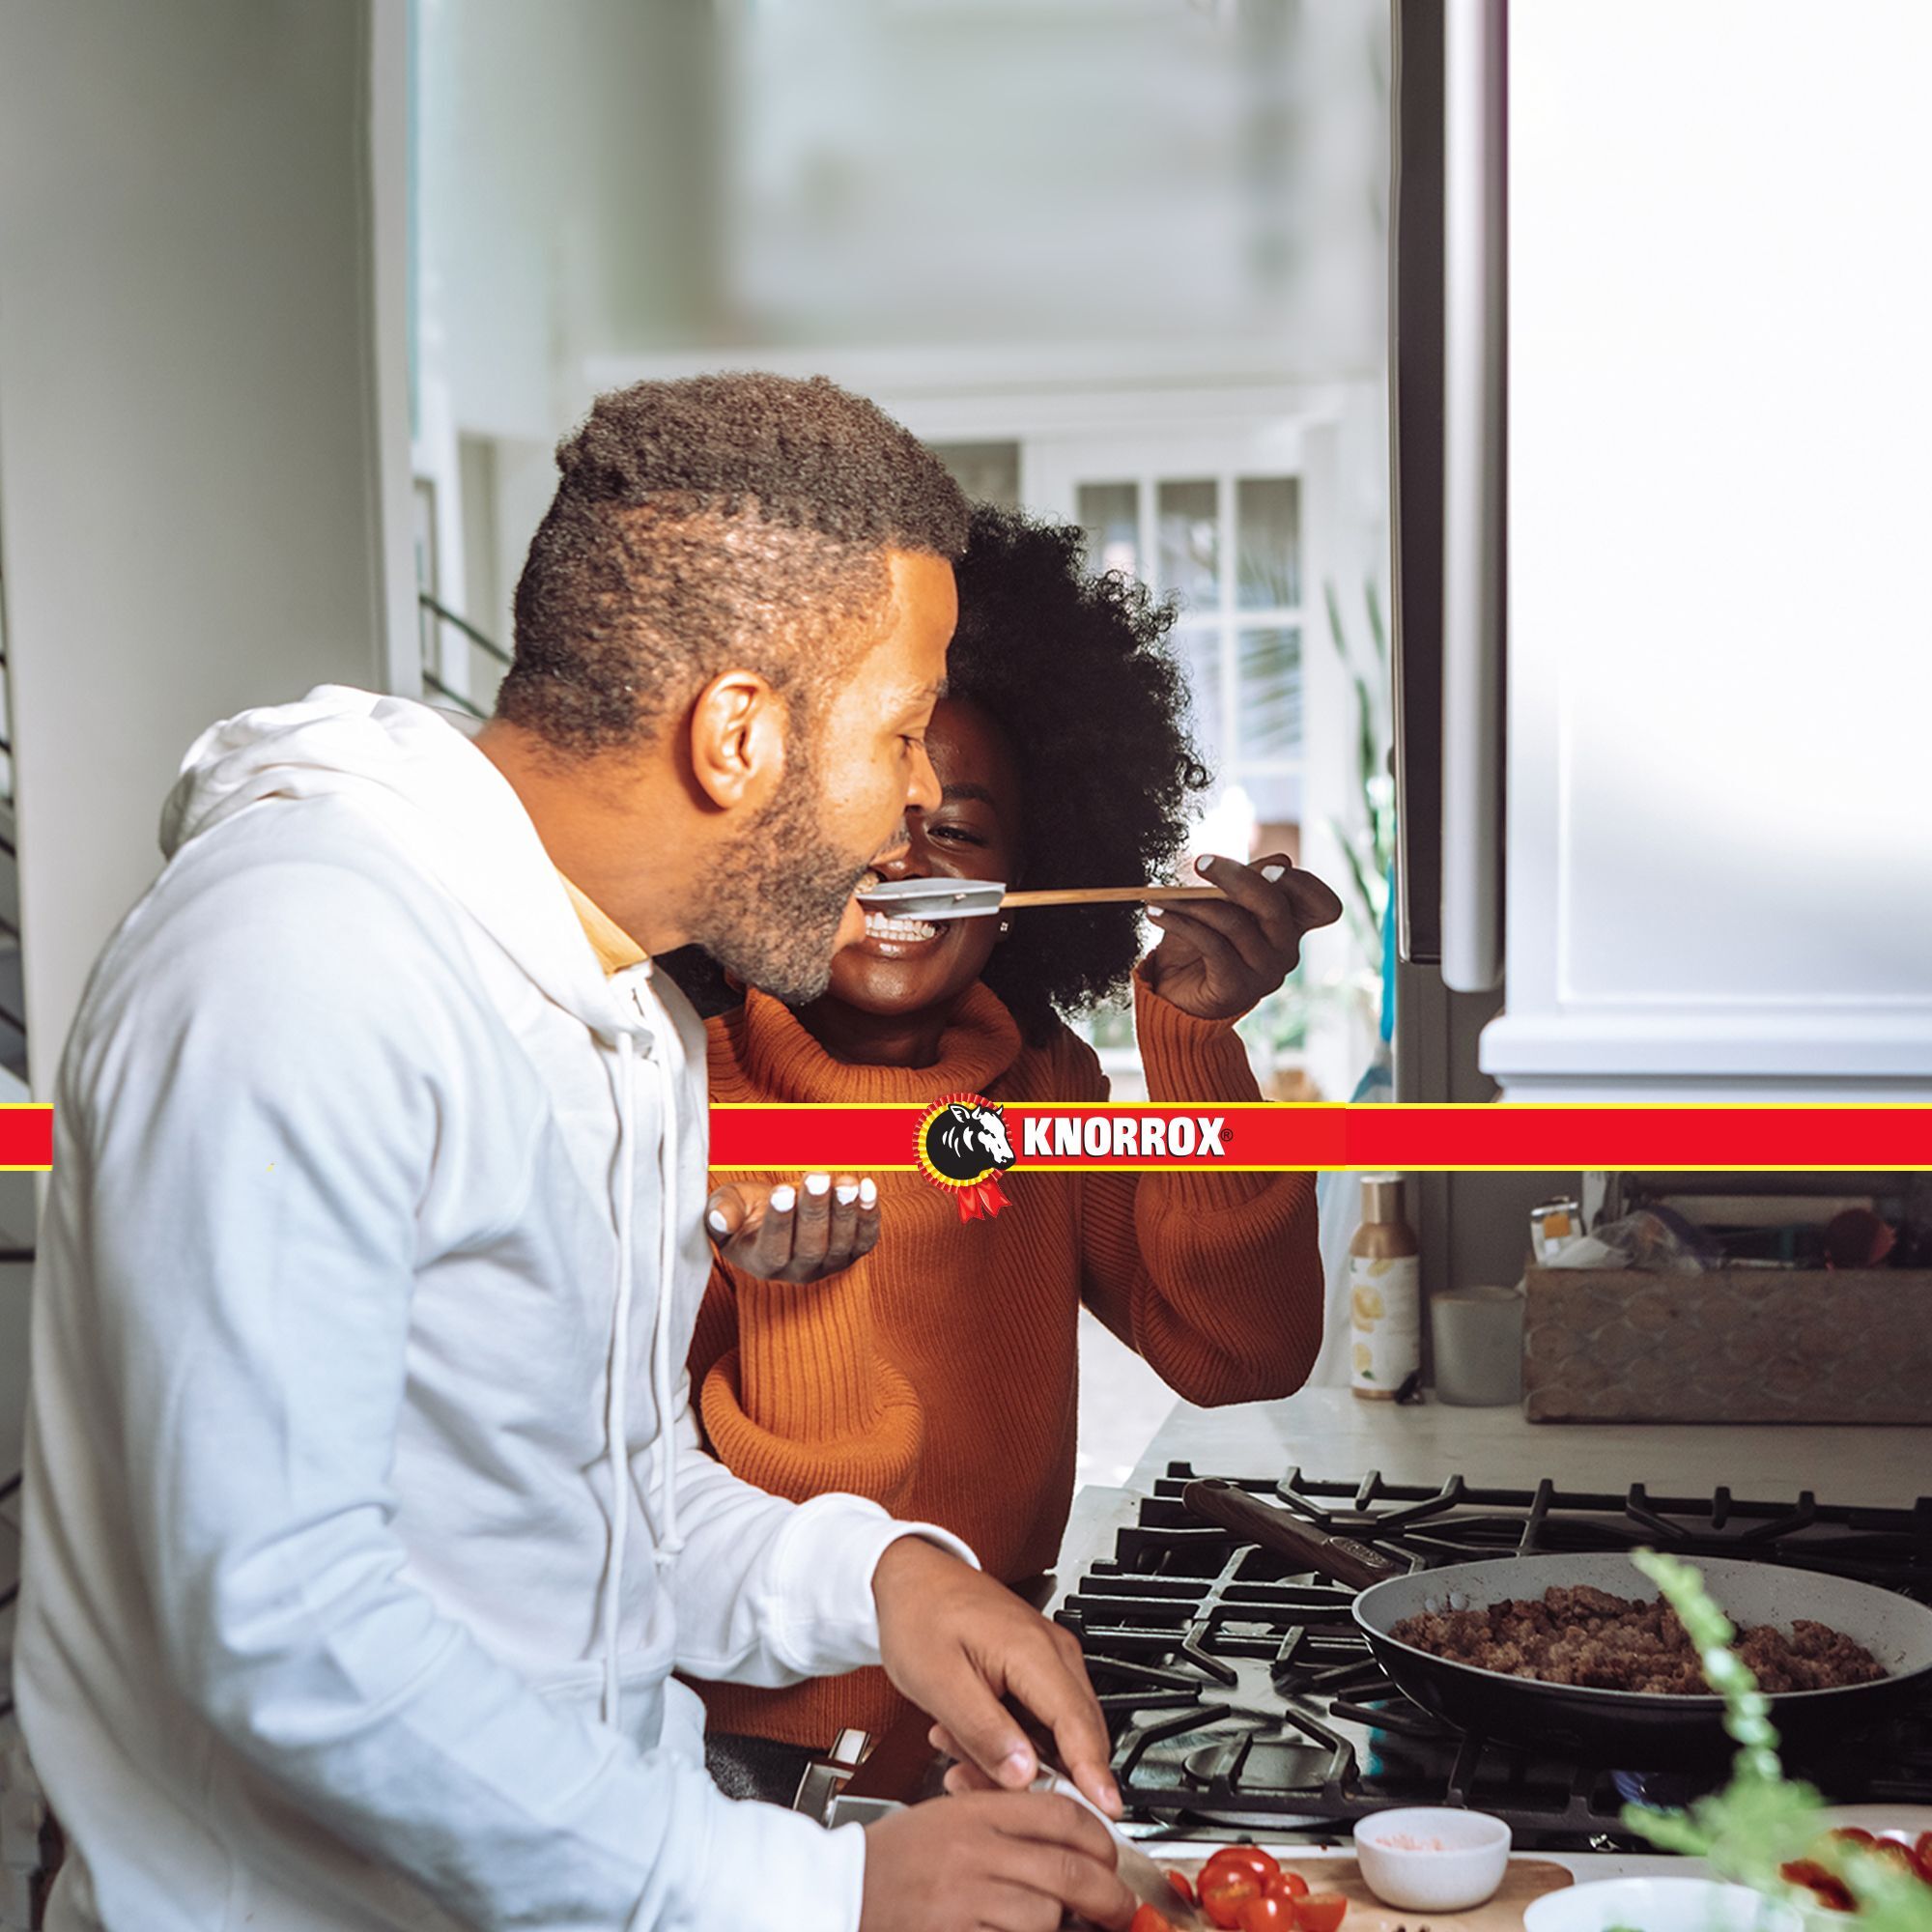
[(1341, 1558)]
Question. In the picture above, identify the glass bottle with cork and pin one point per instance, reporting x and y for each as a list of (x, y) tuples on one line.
[(1384, 1294)]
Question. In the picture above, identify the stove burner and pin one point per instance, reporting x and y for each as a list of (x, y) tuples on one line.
[(1270, 1768), (1240, 1695)]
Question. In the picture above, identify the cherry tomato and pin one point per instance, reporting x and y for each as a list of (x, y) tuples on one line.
[(1320, 1911), (1853, 1834), (1922, 1850), (1147, 1919), (1289, 1884), (1223, 1902), (1809, 1873), (1240, 1858), (1894, 1853), (1182, 1883), (1269, 1912)]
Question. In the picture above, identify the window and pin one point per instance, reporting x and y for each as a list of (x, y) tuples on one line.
[(1228, 549), (1245, 527)]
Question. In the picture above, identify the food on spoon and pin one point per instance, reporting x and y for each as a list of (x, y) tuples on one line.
[(1590, 1638)]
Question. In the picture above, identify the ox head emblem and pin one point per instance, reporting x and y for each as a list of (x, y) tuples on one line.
[(962, 1144)]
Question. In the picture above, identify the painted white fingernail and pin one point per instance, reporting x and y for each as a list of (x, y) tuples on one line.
[(869, 1192), (784, 1199), (845, 1196), (718, 1223), (1156, 912), (1207, 864), (1272, 873), (816, 1184)]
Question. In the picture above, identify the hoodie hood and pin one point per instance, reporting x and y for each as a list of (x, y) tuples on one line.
[(414, 770), (457, 817)]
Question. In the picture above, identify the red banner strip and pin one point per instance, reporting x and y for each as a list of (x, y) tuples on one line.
[(1407, 1139), (26, 1137)]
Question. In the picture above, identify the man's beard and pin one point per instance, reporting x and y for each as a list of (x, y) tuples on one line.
[(770, 916)]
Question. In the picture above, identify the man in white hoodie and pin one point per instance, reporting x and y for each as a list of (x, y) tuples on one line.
[(366, 1519)]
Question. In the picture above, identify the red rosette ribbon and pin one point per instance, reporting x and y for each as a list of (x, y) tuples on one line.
[(981, 1198)]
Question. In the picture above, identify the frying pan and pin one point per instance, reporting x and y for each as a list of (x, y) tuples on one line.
[(1633, 1729)]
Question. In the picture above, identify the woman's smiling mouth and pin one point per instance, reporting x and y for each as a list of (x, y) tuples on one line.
[(884, 933), (891, 935)]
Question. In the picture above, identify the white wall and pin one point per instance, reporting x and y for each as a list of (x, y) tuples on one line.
[(203, 426), (190, 468)]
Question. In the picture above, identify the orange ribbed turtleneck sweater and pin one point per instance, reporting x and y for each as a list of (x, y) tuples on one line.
[(938, 1376)]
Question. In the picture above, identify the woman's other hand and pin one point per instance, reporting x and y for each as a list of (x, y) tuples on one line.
[(787, 1233), (1217, 958)]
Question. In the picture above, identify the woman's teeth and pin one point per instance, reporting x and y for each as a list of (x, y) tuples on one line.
[(907, 931)]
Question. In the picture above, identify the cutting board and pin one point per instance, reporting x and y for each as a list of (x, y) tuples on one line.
[(1527, 1880)]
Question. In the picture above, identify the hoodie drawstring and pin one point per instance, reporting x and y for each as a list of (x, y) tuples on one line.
[(669, 1538), (616, 1418)]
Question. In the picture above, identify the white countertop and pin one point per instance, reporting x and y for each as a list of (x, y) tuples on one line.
[(1586, 1868), (1328, 1433)]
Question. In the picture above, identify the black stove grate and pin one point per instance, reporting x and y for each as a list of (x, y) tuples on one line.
[(1242, 1697)]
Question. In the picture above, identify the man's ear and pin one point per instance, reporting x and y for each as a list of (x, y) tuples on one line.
[(738, 739)]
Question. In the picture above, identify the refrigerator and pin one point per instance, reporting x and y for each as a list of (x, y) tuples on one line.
[(1661, 411)]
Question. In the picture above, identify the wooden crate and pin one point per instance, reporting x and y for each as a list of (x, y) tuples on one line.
[(1744, 1344)]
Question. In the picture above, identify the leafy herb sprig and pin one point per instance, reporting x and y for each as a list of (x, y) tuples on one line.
[(1762, 1820)]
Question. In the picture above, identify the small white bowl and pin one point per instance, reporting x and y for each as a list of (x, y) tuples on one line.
[(1659, 1905), (1455, 1859)]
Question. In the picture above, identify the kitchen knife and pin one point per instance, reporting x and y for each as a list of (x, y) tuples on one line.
[(1139, 1873), (1342, 1558)]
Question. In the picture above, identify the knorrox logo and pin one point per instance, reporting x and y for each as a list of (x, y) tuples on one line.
[(1124, 1137)]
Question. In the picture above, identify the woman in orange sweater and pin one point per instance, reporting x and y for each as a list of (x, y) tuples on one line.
[(938, 1372)]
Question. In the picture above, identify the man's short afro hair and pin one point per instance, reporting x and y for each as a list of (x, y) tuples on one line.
[(709, 524)]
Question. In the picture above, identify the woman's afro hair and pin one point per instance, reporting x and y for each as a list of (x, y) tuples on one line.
[(1078, 672)]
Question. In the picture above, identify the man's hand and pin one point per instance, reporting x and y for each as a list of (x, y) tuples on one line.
[(795, 1234), (1217, 958), (1014, 1861), (956, 1643)]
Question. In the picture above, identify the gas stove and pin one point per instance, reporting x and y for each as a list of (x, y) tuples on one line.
[(1241, 1698)]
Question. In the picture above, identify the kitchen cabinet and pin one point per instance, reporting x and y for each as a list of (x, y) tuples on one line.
[(1663, 664), (1719, 817)]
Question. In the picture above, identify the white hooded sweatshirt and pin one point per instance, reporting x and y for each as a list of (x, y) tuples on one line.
[(355, 1577)]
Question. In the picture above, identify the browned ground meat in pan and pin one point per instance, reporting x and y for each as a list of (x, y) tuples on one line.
[(1589, 1637)]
